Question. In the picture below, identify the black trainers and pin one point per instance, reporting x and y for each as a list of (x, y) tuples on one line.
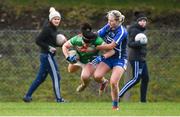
[(62, 100), (27, 99)]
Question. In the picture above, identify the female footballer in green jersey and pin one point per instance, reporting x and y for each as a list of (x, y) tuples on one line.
[(85, 46)]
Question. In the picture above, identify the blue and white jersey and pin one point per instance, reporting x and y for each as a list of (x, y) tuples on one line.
[(119, 35)]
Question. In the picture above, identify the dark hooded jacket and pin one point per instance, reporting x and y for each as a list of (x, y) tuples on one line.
[(136, 50), (47, 37)]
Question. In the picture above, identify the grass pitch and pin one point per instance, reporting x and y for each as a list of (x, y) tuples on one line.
[(88, 109)]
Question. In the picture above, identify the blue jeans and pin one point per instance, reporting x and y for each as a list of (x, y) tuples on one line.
[(47, 65)]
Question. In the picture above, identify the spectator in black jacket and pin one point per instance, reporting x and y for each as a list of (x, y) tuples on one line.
[(46, 40), (136, 55)]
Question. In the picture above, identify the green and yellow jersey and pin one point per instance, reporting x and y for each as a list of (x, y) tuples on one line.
[(85, 51)]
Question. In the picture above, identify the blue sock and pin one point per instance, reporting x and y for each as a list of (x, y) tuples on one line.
[(115, 103)]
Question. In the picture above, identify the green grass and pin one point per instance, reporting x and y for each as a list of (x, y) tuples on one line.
[(88, 109)]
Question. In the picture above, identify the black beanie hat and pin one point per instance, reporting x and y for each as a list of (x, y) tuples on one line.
[(140, 16)]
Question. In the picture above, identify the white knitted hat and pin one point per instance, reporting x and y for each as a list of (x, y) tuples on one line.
[(53, 13)]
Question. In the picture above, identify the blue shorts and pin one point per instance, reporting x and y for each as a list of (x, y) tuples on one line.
[(113, 62)]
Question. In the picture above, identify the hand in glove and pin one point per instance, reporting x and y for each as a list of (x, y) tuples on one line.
[(97, 60), (72, 59)]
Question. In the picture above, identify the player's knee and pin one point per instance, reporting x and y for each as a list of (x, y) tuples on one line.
[(85, 77), (114, 85), (97, 76)]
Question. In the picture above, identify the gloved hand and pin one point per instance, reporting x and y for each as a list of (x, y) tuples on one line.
[(72, 59), (97, 60)]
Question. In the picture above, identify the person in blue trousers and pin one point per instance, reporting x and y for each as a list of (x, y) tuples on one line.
[(137, 57), (46, 40)]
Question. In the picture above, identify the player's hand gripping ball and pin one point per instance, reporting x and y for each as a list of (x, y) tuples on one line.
[(142, 38), (73, 56)]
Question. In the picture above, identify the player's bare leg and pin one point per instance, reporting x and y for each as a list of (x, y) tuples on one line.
[(73, 68), (101, 70), (117, 73), (86, 73), (103, 86)]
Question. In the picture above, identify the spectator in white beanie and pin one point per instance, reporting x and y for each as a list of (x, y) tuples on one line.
[(53, 13), (46, 40)]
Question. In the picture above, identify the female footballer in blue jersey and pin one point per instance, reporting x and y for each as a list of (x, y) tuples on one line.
[(115, 35), (47, 43)]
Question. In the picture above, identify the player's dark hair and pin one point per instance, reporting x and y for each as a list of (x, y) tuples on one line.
[(88, 35), (86, 27)]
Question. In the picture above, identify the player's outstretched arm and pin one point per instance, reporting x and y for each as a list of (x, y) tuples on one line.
[(65, 48)]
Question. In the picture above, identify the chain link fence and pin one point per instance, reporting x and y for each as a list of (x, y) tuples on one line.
[(19, 62)]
